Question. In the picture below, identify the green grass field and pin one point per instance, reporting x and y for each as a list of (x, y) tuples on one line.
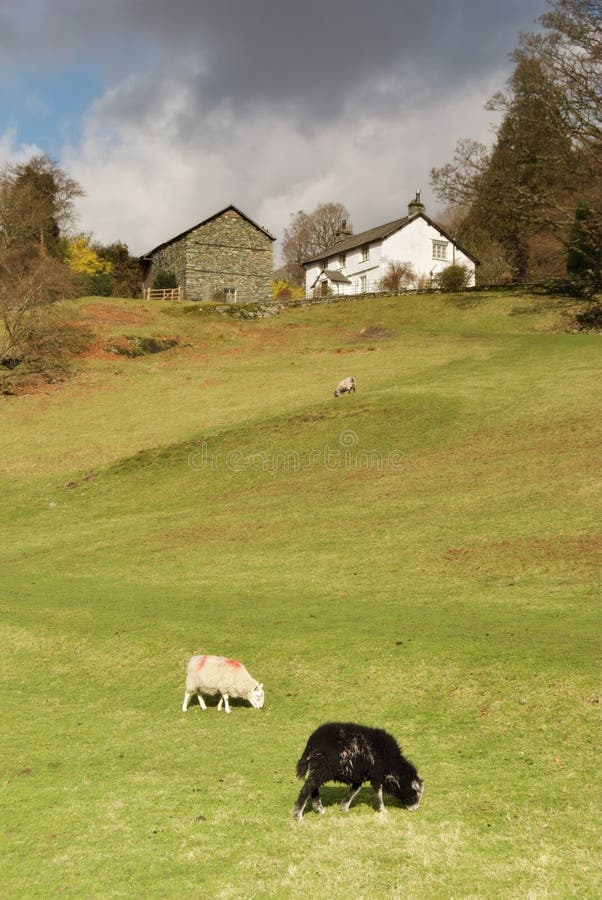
[(422, 556)]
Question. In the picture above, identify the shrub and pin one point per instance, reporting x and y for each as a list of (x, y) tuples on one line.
[(164, 280), (453, 278), (99, 285), (283, 291), (590, 319), (52, 341), (127, 276), (398, 277), (83, 258)]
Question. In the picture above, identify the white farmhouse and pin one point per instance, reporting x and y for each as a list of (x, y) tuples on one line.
[(357, 263)]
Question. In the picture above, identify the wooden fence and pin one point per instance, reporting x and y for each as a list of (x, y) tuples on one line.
[(164, 294)]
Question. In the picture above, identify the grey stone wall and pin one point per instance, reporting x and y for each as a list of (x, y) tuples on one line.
[(171, 258), (225, 255), (229, 252)]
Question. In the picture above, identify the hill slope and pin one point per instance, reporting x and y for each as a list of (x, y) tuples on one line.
[(420, 556)]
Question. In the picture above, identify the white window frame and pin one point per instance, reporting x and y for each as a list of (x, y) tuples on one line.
[(365, 253), (440, 249), (230, 294), (363, 284)]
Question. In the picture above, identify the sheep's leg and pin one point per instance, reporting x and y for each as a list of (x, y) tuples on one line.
[(202, 703), (378, 790), (353, 792), (316, 803), (309, 788), (224, 702), (187, 697)]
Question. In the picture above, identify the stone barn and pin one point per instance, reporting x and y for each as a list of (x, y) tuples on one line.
[(227, 257)]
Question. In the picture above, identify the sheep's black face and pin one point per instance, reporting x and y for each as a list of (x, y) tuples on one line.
[(409, 793)]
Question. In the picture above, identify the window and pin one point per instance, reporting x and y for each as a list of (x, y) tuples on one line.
[(440, 249), (363, 284), (230, 294), (343, 258), (365, 251)]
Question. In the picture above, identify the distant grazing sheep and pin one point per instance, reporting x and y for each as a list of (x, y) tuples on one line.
[(353, 754), (345, 386), (217, 675)]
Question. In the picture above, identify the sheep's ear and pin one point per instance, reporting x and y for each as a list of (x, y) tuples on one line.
[(260, 685)]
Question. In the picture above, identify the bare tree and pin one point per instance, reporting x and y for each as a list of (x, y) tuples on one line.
[(398, 277), (308, 234), (460, 182), (36, 200), (570, 52)]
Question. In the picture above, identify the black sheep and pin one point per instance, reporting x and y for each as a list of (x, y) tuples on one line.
[(352, 754)]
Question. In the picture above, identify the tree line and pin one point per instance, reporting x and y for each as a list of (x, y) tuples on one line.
[(531, 205)]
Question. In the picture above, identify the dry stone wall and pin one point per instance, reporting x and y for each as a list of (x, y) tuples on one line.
[(171, 258)]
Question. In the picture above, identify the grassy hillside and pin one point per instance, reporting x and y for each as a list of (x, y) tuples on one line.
[(421, 556)]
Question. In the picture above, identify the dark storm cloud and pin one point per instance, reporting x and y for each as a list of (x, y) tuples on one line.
[(275, 106), (304, 58)]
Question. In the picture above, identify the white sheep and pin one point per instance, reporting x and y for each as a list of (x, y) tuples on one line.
[(217, 675), (345, 386)]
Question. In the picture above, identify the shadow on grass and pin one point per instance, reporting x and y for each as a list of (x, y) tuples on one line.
[(211, 703), (332, 797)]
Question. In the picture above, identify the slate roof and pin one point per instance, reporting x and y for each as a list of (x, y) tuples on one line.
[(361, 238), (336, 275), (205, 222), (378, 234)]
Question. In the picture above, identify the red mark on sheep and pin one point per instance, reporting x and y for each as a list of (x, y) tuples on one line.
[(201, 662), (233, 663)]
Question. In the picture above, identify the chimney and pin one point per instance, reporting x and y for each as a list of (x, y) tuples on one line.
[(415, 206), (343, 232)]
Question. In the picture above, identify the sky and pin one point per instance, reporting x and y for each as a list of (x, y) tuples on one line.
[(166, 111)]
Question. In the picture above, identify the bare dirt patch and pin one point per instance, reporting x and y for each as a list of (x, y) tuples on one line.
[(200, 535), (38, 385), (582, 550), (375, 333), (103, 314)]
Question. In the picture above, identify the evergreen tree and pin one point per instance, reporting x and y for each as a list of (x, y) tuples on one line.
[(531, 161), (547, 153), (584, 259)]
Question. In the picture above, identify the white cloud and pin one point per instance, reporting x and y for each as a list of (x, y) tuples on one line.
[(12, 151), (150, 175), (208, 103)]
